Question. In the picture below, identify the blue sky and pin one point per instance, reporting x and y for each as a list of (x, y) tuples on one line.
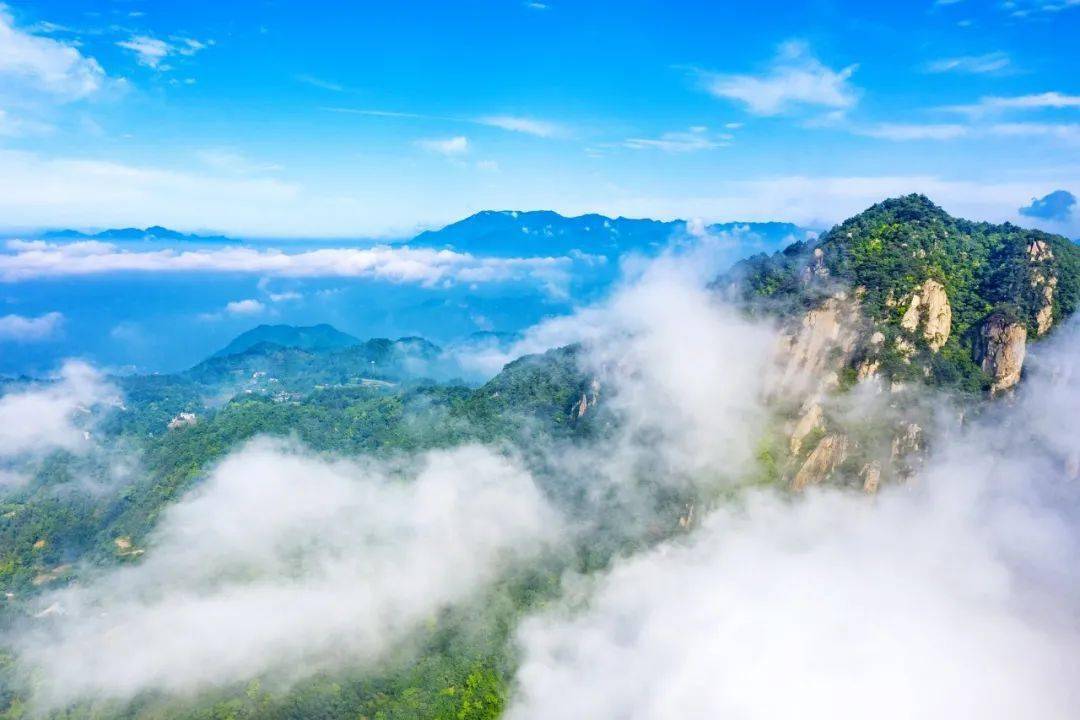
[(375, 119)]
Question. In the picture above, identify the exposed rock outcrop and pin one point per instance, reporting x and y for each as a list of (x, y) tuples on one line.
[(1045, 282), (811, 420), (822, 462), (930, 310), (818, 347), (1003, 344), (871, 477), (588, 399)]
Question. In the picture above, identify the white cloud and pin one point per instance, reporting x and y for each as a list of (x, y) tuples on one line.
[(345, 562), (233, 162), (32, 63), (426, 266), (151, 51), (450, 147), (30, 329), (528, 126), (49, 416), (319, 82), (1037, 101), (285, 296), (796, 78), (953, 596), (691, 140), (901, 131), (249, 306), (1069, 132), (970, 64)]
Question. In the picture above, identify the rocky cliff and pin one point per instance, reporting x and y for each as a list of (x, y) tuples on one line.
[(898, 298)]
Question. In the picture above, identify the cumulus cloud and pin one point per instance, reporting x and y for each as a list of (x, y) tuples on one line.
[(953, 596), (1057, 205), (30, 329), (450, 147), (285, 565), (796, 78), (46, 65), (249, 306), (402, 264), (52, 415)]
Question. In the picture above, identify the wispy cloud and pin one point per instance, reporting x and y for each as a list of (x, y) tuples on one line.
[(511, 123), (795, 78), (692, 140), (1052, 100), (449, 147), (1033, 8), (319, 82), (529, 126), (231, 161), (1069, 132), (46, 65), (151, 51), (30, 329), (971, 64), (912, 131)]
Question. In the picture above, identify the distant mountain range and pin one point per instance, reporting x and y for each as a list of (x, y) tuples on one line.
[(154, 232), (543, 232), (512, 233)]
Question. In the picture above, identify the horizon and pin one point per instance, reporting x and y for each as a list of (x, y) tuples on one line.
[(210, 233)]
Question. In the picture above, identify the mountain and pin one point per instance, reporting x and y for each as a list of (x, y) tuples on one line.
[(931, 290), (311, 338), (543, 232), (154, 232), (329, 359), (918, 310)]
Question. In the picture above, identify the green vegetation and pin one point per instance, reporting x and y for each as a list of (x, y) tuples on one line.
[(890, 250)]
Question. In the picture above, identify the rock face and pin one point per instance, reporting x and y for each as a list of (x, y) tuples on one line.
[(1045, 282), (930, 309), (1001, 352), (810, 421), (818, 347), (826, 457), (871, 477)]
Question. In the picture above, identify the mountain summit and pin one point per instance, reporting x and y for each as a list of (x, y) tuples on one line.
[(543, 232)]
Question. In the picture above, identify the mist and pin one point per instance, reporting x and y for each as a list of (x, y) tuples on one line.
[(42, 417), (284, 564), (954, 595)]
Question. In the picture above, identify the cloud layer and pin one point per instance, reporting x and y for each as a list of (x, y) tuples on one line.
[(286, 564), (39, 259), (954, 596)]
